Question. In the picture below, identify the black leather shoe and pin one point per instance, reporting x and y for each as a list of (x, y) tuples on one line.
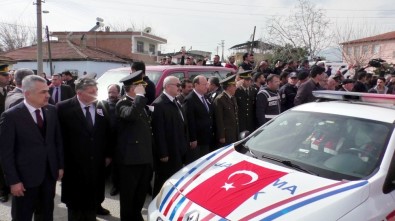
[(114, 191), (4, 198), (103, 212)]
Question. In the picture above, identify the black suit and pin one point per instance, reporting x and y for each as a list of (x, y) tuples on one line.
[(200, 125), (85, 152), (134, 155), (170, 134), (31, 156), (65, 92)]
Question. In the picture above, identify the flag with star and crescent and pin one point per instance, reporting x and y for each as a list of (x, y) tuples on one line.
[(225, 191)]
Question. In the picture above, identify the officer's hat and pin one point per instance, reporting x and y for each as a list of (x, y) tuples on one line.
[(245, 74), (4, 69), (293, 75), (231, 80), (134, 78), (347, 81)]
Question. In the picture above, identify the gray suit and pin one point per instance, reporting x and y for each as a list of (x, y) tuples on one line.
[(13, 98)]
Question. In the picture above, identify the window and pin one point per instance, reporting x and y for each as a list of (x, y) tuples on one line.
[(349, 51), (376, 49), (152, 48), (140, 46), (357, 51), (179, 75), (365, 49)]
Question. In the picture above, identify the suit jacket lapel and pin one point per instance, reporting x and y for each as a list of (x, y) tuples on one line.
[(79, 113)]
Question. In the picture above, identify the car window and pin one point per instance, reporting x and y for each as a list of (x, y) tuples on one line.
[(109, 77), (334, 146), (154, 76), (207, 74), (179, 75)]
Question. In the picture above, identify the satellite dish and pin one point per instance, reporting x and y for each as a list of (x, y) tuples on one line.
[(147, 30)]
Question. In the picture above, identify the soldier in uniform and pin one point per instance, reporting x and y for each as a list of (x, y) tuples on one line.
[(134, 147), (245, 96), (268, 100), (4, 75), (225, 106)]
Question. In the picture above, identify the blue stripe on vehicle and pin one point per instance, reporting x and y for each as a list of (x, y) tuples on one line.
[(312, 200), (175, 209), (163, 203)]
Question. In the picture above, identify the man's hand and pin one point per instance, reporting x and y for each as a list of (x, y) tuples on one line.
[(17, 189), (61, 172), (193, 144), (164, 159)]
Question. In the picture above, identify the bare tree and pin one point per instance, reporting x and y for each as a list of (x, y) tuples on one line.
[(305, 27), (356, 54), (13, 36)]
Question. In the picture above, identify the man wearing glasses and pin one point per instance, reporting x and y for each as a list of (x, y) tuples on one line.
[(170, 133)]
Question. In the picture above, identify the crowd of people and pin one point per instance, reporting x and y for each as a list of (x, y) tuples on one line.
[(57, 130)]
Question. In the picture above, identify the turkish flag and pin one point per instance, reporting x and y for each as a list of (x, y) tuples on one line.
[(227, 190)]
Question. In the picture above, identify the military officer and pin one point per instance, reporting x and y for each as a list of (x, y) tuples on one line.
[(225, 106), (134, 146), (245, 96)]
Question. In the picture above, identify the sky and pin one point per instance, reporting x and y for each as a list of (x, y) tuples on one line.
[(196, 24)]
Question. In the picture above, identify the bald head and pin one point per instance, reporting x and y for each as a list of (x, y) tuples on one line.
[(200, 84), (171, 85)]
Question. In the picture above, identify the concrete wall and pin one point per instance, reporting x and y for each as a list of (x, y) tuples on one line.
[(80, 66)]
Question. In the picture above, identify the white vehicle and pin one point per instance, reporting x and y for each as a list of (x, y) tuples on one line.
[(327, 160)]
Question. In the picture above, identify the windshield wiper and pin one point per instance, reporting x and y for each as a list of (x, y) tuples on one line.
[(290, 164)]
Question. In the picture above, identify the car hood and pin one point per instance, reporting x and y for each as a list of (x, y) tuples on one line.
[(230, 185)]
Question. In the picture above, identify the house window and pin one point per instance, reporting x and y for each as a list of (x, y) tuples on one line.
[(376, 49), (349, 51), (140, 46), (357, 51), (152, 48), (365, 49)]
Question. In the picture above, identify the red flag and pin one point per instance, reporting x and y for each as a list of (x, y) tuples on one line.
[(228, 189)]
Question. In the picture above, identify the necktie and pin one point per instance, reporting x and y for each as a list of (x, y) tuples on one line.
[(4, 92), (40, 122), (205, 103), (179, 108), (56, 95), (88, 117)]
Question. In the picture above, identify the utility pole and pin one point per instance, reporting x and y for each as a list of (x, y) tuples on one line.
[(223, 46), (39, 39), (217, 49), (252, 42), (49, 50)]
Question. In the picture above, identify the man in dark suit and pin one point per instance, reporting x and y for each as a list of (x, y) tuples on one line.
[(200, 116), (170, 133), (150, 88), (31, 152), (68, 79), (4, 80), (58, 91), (225, 106), (134, 147), (15, 96), (86, 127)]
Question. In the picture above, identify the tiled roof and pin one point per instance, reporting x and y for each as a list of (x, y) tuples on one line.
[(381, 37), (7, 60), (64, 51)]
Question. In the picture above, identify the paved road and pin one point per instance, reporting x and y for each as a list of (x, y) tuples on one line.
[(60, 213)]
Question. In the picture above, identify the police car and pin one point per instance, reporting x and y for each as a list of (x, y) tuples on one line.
[(327, 160)]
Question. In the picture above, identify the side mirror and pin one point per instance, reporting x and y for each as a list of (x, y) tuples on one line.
[(244, 134)]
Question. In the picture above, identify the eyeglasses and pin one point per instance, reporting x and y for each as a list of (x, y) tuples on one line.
[(177, 85)]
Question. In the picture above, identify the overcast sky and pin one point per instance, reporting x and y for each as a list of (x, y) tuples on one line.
[(200, 24)]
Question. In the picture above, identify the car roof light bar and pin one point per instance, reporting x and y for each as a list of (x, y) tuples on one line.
[(356, 96)]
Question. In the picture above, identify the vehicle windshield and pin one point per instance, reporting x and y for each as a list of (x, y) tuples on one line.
[(113, 77), (331, 146)]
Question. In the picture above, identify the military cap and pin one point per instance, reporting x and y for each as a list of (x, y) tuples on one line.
[(134, 78), (4, 69), (245, 74), (347, 81), (293, 75), (229, 80)]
